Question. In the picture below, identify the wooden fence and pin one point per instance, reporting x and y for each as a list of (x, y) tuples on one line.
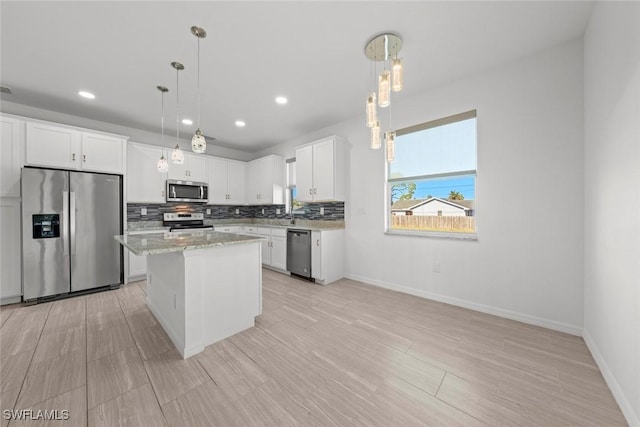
[(461, 224)]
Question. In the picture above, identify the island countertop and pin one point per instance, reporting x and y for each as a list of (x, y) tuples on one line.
[(161, 243)]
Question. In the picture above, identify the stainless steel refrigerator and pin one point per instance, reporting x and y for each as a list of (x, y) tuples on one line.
[(68, 223)]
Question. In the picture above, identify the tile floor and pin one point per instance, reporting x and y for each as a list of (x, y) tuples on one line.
[(347, 354)]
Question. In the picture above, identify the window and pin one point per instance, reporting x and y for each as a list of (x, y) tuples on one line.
[(431, 184), (293, 206)]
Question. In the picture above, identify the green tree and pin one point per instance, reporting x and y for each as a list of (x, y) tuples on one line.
[(402, 191), (454, 195)]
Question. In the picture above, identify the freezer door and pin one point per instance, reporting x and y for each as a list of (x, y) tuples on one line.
[(45, 250), (95, 206)]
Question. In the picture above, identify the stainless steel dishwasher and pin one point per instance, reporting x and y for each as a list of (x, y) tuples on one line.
[(299, 252)]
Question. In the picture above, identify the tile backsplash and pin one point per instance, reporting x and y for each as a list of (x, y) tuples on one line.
[(333, 211)]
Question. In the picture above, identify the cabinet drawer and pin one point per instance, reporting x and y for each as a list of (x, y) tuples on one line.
[(264, 231), (279, 232)]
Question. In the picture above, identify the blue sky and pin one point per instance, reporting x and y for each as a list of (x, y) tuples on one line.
[(442, 187)]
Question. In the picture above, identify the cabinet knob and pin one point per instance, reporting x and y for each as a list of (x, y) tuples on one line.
[(311, 191), (318, 242), (315, 191), (73, 157), (84, 158)]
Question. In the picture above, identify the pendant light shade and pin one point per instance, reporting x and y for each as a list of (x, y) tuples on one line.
[(198, 143), (177, 156), (375, 136), (384, 86), (163, 165), (372, 112), (397, 75), (391, 146)]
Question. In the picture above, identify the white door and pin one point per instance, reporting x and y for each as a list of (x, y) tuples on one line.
[(52, 146), (266, 181), (102, 153), (304, 174), (144, 183), (236, 172), (279, 252), (253, 183), (197, 167), (10, 249), (137, 265), (323, 171), (10, 159), (316, 255), (217, 181), (179, 172)]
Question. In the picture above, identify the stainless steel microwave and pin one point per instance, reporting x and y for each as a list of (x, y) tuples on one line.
[(187, 191)]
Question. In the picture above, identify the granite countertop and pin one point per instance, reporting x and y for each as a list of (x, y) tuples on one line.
[(312, 225), (160, 243)]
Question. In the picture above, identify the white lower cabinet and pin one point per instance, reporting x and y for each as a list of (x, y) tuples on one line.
[(137, 269), (274, 248), (327, 256), (10, 251), (137, 266)]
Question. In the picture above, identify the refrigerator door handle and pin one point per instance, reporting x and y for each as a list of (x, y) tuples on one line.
[(65, 222), (72, 220)]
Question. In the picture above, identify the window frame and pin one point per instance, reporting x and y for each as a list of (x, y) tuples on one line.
[(389, 182)]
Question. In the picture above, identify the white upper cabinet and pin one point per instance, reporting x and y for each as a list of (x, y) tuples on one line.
[(102, 153), (10, 145), (265, 183), (194, 168), (53, 146), (226, 181), (320, 171), (144, 183), (65, 147)]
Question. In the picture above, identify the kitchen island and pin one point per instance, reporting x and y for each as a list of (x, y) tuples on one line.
[(202, 287)]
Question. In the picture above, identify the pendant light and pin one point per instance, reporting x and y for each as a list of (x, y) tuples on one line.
[(397, 81), (384, 47), (391, 146), (198, 143), (163, 165), (375, 136), (372, 112), (384, 89), (177, 156)]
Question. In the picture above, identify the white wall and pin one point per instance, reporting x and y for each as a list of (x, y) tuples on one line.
[(528, 261), (612, 177)]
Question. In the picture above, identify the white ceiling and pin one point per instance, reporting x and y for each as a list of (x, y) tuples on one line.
[(312, 52)]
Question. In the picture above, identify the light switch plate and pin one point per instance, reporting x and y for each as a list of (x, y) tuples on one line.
[(277, 211), (208, 211), (237, 211), (143, 211), (321, 211), (262, 211)]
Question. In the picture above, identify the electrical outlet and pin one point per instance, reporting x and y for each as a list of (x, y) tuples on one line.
[(208, 211), (143, 211), (237, 211), (321, 211), (437, 267), (277, 211), (262, 211)]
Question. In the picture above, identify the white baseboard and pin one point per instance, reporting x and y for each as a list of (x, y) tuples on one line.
[(632, 417), (500, 312)]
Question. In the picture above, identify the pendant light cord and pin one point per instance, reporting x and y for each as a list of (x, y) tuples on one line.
[(177, 107), (199, 102)]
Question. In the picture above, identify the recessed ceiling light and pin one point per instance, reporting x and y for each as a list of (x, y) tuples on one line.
[(240, 123), (187, 122), (281, 100), (85, 94)]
